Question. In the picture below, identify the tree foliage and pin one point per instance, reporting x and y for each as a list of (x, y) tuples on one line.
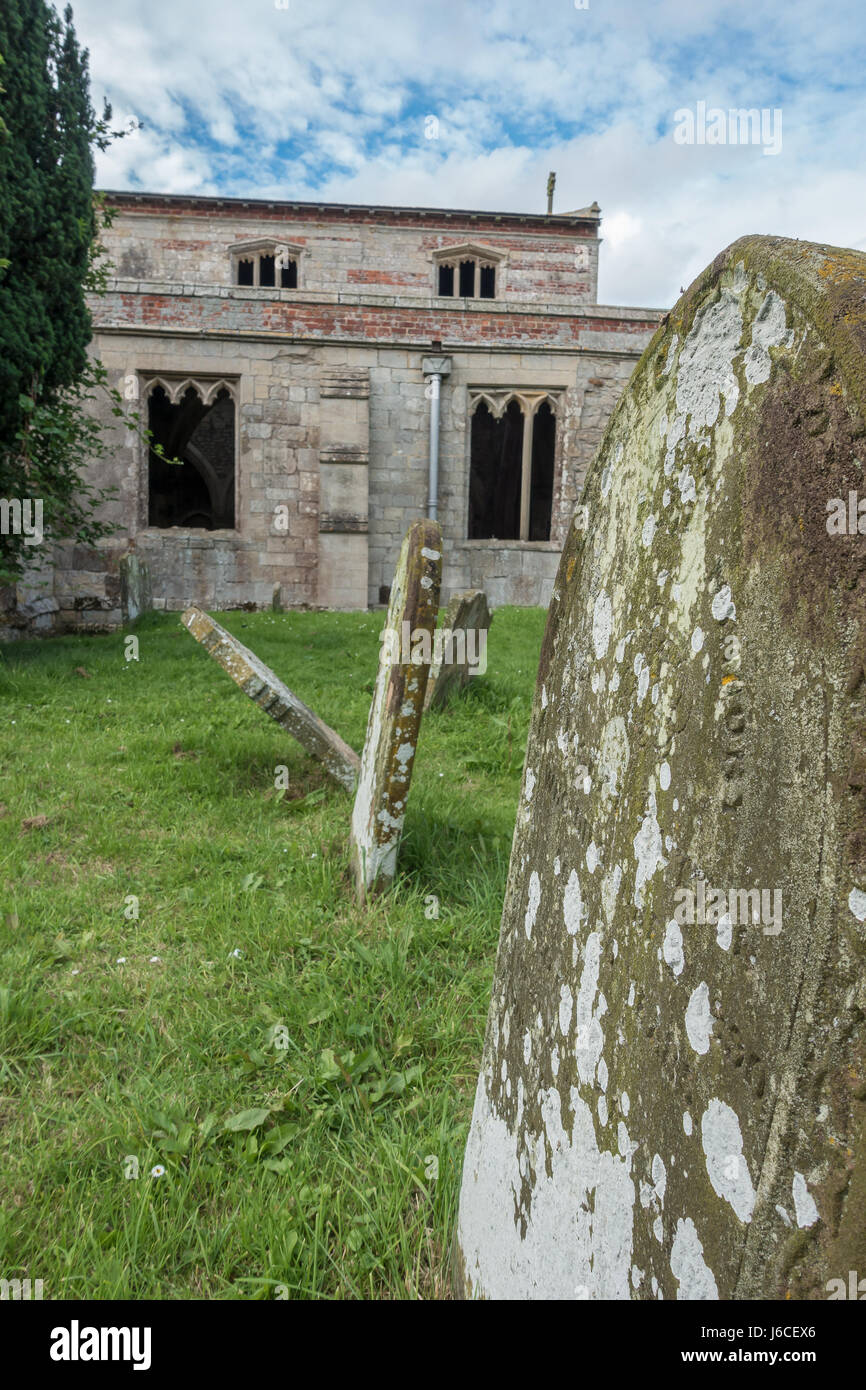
[(49, 260)]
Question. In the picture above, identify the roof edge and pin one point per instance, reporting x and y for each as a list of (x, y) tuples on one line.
[(131, 196)]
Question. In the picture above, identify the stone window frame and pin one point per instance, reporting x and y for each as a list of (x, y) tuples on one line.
[(529, 398), (175, 385), (483, 256), (283, 251)]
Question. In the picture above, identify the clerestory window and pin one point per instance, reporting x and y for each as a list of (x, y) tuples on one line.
[(468, 272), (266, 265)]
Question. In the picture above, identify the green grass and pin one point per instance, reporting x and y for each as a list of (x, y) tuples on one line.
[(294, 1063)]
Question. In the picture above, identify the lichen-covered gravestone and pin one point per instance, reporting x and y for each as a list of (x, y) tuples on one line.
[(460, 646), (135, 589), (673, 1089), (270, 694), (396, 709)]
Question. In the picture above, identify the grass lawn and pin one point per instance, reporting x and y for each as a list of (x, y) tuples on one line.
[(297, 1067)]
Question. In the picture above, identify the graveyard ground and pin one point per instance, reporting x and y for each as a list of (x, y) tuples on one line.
[(298, 1067)]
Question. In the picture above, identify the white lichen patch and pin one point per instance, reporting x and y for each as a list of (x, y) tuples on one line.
[(804, 1203), (695, 1280), (672, 947), (579, 1228), (699, 1020), (722, 1142), (613, 756), (648, 853), (857, 903), (660, 1178), (566, 1006), (590, 1039), (769, 329), (706, 376), (572, 904), (724, 932), (723, 605), (532, 903), (602, 619), (687, 488)]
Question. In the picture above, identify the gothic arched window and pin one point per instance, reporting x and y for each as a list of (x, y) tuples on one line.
[(191, 480), (511, 465)]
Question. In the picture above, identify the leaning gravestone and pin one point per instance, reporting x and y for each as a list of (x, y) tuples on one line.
[(460, 646), (673, 1093), (396, 710), (270, 694)]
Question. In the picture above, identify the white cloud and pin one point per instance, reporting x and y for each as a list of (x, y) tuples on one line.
[(327, 99)]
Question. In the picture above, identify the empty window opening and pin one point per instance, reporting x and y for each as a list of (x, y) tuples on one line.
[(495, 473), (541, 486), (267, 269), (446, 280), (511, 471), (199, 491), (467, 280), (466, 272)]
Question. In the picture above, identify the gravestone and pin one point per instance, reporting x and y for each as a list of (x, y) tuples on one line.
[(460, 646), (396, 710), (672, 1102), (270, 694), (135, 589)]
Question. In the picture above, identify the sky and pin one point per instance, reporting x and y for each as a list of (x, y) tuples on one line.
[(471, 103)]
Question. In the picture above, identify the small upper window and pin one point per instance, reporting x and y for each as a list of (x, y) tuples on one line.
[(468, 272), (266, 265)]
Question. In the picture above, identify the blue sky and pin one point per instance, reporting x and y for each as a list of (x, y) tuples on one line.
[(329, 99)]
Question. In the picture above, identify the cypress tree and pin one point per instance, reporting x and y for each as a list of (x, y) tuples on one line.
[(47, 248)]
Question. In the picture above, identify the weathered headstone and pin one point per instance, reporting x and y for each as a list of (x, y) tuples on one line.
[(460, 646), (135, 590), (270, 694), (673, 1093), (396, 710)]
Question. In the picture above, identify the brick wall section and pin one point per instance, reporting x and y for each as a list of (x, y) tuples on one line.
[(251, 311)]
